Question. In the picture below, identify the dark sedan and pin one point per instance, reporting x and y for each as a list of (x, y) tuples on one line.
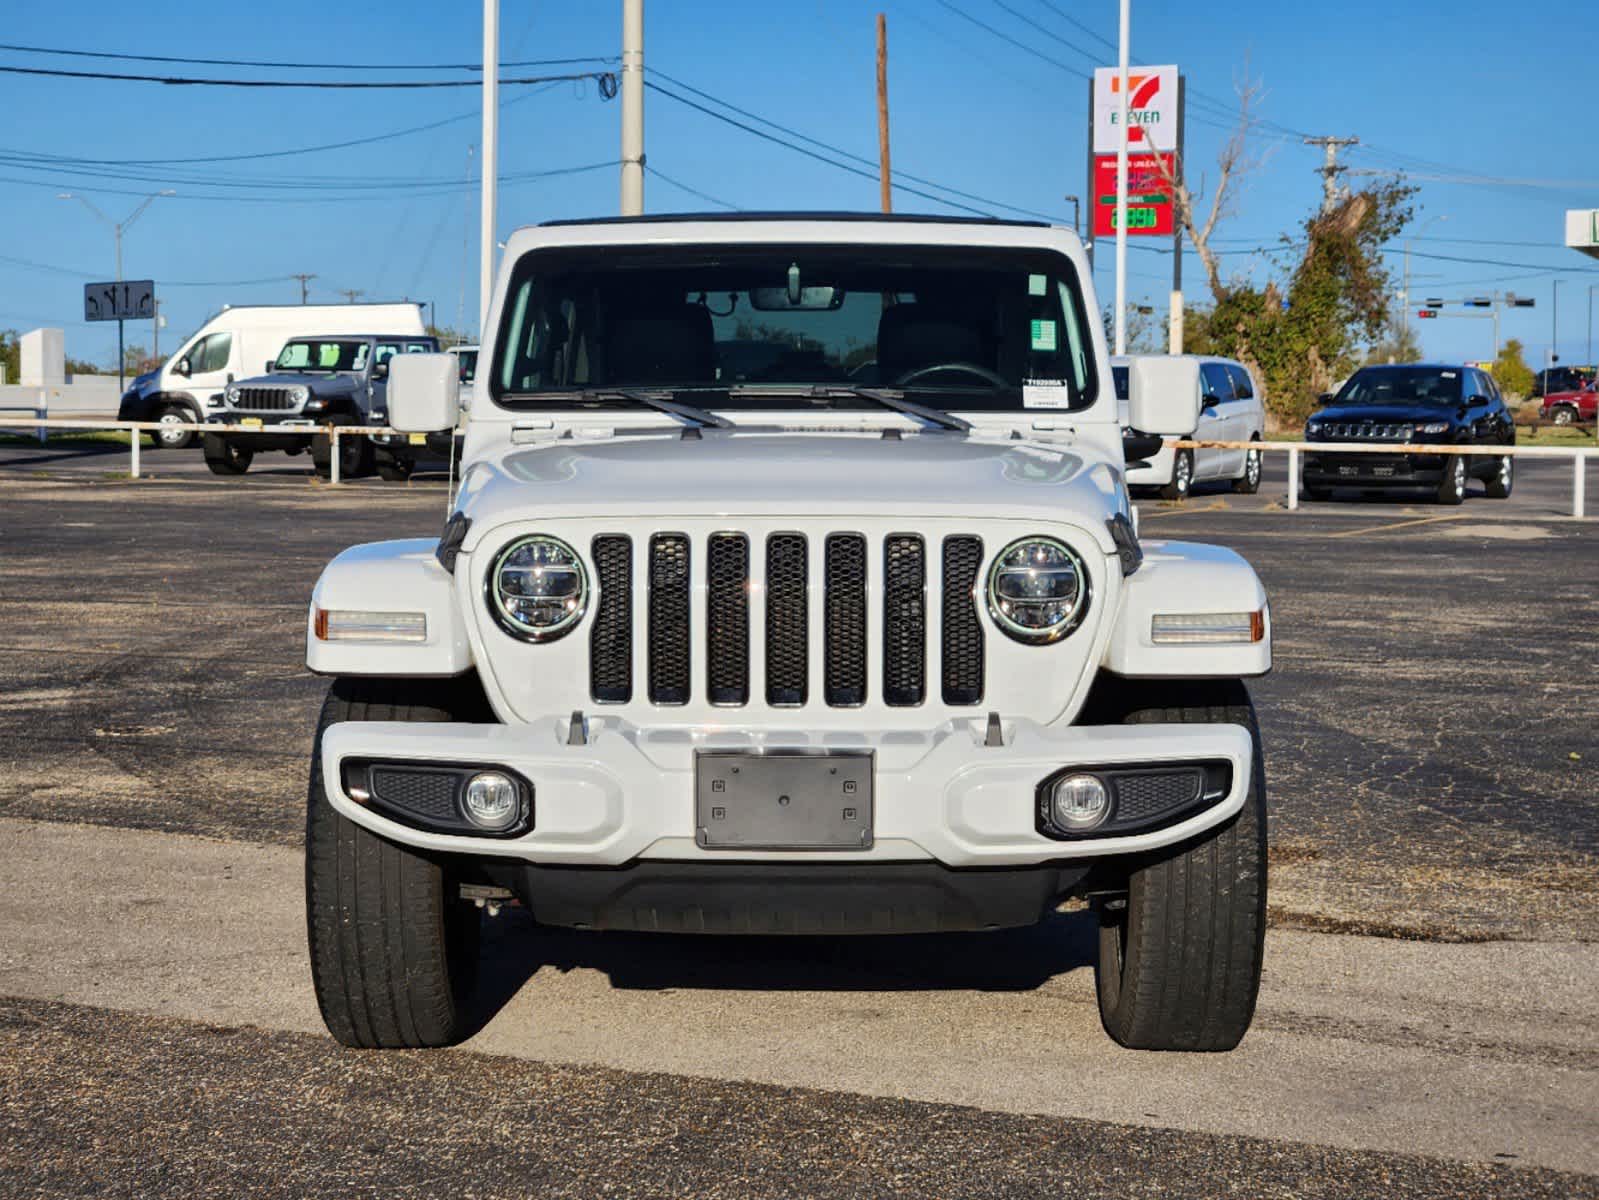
[(1414, 403)]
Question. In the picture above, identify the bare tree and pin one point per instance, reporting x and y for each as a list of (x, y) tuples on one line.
[(1234, 163)]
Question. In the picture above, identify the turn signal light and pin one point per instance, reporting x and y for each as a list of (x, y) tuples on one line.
[(1208, 629)]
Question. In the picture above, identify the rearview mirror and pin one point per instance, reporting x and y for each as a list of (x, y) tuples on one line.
[(816, 298), (424, 393), (1163, 394)]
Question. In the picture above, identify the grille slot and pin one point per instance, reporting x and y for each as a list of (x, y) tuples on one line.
[(1142, 796), (844, 612), (1367, 431), (669, 619), (962, 629), (727, 619), (787, 620), (904, 619), (611, 640), (427, 794), (265, 399)]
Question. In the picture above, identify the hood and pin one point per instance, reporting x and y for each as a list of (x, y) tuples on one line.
[(1386, 413), (321, 384), (760, 474), (140, 384)]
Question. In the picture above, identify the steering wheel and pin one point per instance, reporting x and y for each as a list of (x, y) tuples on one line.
[(970, 368)]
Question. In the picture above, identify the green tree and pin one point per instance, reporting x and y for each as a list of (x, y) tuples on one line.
[(11, 354), (1510, 369)]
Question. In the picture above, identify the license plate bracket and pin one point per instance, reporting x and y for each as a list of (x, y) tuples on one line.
[(783, 800)]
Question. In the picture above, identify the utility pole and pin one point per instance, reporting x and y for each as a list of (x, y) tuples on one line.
[(351, 294), (632, 108), (491, 147), (1123, 38), (1589, 363), (884, 172), (1554, 334), (1330, 170), (305, 291)]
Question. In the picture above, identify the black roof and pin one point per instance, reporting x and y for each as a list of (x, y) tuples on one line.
[(1417, 366), (894, 218)]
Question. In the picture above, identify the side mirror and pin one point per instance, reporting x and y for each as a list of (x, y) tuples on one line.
[(1477, 401), (1209, 400), (1163, 395), (181, 367), (270, 363), (1325, 399), (380, 370), (424, 393)]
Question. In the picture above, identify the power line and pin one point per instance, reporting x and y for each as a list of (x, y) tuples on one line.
[(605, 79), (299, 66), (1071, 20), (1020, 45), (832, 149), (683, 187)]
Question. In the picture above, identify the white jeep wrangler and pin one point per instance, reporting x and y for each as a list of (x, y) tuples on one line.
[(791, 587)]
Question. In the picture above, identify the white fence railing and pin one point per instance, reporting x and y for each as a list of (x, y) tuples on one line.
[(1579, 455)]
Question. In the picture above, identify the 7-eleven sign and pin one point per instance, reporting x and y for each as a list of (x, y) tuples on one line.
[(1151, 109)]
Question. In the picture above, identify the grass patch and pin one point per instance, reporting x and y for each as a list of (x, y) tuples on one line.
[(76, 437)]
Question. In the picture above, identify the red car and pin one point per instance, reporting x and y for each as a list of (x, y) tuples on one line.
[(1567, 408)]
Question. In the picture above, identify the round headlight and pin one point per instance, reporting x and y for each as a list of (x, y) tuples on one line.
[(1037, 589), (300, 394), (232, 392), (538, 588)]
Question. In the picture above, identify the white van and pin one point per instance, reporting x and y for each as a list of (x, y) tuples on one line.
[(1230, 411), (240, 342)]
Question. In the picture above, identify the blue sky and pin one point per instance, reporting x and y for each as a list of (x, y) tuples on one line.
[(971, 110)]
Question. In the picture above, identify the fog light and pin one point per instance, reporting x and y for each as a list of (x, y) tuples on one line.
[(1079, 802), (492, 800)]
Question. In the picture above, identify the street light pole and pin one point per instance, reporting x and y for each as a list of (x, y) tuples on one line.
[(117, 230), (490, 181), (1124, 37), (632, 108), (1404, 303), (1077, 213)]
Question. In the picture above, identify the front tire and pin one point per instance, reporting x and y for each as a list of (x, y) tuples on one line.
[(355, 456), (1248, 483), (1503, 479), (1453, 488), (1179, 963), (394, 469), (165, 438), (226, 457), (1182, 477), (1565, 415), (394, 950)]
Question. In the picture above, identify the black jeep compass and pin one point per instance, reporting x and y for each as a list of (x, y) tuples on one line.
[(1413, 403)]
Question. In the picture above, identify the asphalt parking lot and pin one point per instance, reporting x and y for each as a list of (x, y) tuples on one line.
[(1428, 1025)]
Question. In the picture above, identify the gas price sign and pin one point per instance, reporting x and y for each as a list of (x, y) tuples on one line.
[(1149, 200)]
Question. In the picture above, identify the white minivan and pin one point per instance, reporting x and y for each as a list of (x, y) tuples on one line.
[(240, 342), (1230, 411)]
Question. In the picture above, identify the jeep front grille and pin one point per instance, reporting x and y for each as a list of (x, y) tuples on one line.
[(1365, 431), (853, 571), (611, 640), (669, 619), (963, 630), (264, 399), (787, 620)]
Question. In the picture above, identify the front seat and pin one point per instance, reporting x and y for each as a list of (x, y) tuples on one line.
[(660, 345), (913, 336)]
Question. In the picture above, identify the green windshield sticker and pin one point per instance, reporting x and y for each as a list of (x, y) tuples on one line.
[(1037, 285), (1044, 336)]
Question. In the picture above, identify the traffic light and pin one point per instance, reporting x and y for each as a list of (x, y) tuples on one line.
[(1480, 302), (1516, 301), (1427, 312), (1435, 303)]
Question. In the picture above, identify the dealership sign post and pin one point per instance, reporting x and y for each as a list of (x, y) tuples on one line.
[(1154, 107)]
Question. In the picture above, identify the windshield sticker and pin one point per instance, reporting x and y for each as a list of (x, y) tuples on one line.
[(1045, 393), (1447, 374), (1044, 336), (1037, 285)]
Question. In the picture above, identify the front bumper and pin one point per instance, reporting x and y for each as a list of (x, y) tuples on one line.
[(1153, 471), (1330, 469), (941, 795)]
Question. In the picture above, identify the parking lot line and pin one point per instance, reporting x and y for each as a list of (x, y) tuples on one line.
[(1395, 525)]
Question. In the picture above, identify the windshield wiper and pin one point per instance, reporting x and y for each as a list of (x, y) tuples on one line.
[(651, 398), (896, 401), (654, 399)]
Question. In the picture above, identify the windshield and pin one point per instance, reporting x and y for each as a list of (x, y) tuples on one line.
[(989, 329), (323, 354), (1401, 385)]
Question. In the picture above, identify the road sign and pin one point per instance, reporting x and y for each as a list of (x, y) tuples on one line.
[(1151, 109), (130, 300), (1149, 196)]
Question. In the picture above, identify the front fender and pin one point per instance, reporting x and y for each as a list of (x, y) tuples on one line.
[(390, 577), (1187, 578)]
